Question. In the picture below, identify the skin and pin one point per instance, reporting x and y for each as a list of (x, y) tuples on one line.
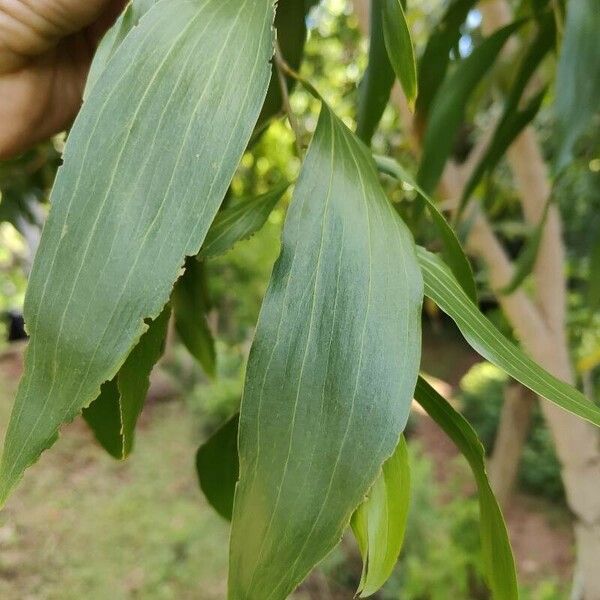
[(46, 47)]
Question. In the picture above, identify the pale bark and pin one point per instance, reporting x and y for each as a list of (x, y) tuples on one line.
[(539, 323)]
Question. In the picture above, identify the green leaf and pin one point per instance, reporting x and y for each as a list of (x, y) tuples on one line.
[(376, 85), (334, 359), (379, 523), (452, 250), (217, 466), (593, 292), (448, 109), (190, 308), (146, 167), (399, 46), (578, 76), (498, 562), (444, 290), (505, 134), (434, 62), (240, 222), (528, 256), (114, 414)]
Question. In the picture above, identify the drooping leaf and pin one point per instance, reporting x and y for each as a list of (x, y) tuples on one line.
[(453, 253), (578, 76), (445, 291), (498, 561), (376, 85), (505, 134), (190, 308), (448, 109), (434, 62), (217, 466), (240, 221), (146, 167), (379, 523), (114, 414), (334, 360), (528, 256), (399, 46), (513, 120)]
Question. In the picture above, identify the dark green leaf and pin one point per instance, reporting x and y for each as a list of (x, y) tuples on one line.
[(240, 221), (376, 86), (453, 253), (578, 77), (399, 46), (335, 358), (190, 308), (217, 466), (146, 167), (499, 565), (526, 260), (593, 277), (444, 290), (436, 57), (448, 109), (114, 414), (379, 523)]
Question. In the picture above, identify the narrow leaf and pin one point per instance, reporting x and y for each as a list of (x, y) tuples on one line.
[(578, 76), (146, 167), (114, 414), (240, 221), (335, 358), (217, 467), (528, 256), (400, 47), (448, 109), (498, 561), (453, 253), (190, 308), (444, 290), (376, 86), (379, 523), (434, 62)]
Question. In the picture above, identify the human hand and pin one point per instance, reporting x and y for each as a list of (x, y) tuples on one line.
[(46, 47)]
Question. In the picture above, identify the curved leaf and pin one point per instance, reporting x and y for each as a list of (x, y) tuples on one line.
[(498, 561), (240, 221), (114, 414), (377, 83), (217, 467), (146, 167), (453, 253), (399, 46), (379, 523), (444, 290), (335, 358), (190, 307), (448, 108)]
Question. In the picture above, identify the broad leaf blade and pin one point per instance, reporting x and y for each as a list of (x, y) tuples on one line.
[(190, 307), (453, 253), (138, 191), (114, 414), (444, 290), (217, 467), (448, 108), (499, 564), (240, 221), (578, 77), (379, 523), (377, 83), (400, 47), (334, 360)]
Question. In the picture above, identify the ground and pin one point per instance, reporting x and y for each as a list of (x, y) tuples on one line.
[(82, 525)]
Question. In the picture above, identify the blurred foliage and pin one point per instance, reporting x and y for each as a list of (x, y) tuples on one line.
[(481, 398)]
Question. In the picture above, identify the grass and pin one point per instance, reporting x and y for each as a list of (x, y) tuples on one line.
[(82, 525)]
